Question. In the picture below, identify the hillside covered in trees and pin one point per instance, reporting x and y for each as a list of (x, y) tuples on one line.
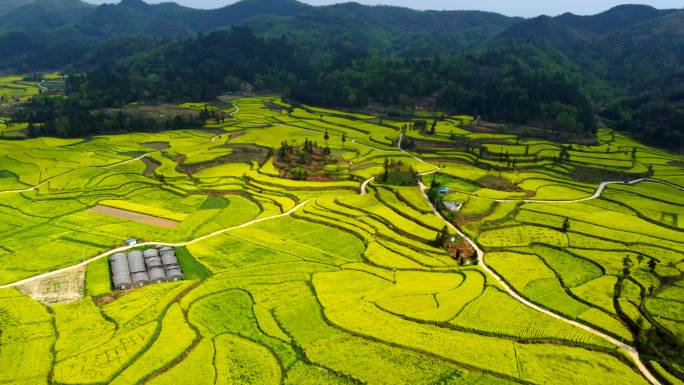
[(559, 72)]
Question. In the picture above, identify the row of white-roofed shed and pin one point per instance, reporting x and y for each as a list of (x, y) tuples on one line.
[(138, 268)]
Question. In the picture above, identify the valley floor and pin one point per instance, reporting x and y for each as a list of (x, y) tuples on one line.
[(340, 281)]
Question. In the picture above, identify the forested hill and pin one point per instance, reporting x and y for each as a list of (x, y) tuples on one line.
[(73, 26), (625, 63)]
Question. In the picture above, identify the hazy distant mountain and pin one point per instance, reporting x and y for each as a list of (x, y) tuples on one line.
[(43, 14), (612, 20), (628, 45), (627, 36), (136, 17), (399, 30), (367, 28), (8, 5)]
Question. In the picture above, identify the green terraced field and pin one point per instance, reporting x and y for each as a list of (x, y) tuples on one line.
[(312, 282)]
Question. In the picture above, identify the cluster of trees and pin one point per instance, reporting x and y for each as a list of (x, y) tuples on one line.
[(497, 84), (657, 120), (75, 117), (547, 71), (299, 162), (421, 125), (398, 173), (306, 154), (443, 237), (198, 68)]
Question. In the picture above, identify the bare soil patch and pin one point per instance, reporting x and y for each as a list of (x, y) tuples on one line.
[(159, 146), (498, 183), (162, 111), (595, 175), (65, 287), (111, 297), (242, 153), (151, 165), (236, 134), (133, 216)]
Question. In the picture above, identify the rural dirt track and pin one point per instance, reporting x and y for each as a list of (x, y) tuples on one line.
[(126, 161), (125, 248), (629, 350), (362, 190), (602, 186), (57, 176)]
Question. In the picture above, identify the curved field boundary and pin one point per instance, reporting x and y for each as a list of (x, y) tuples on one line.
[(597, 194), (602, 186), (126, 161), (134, 216), (125, 248), (57, 176), (627, 349)]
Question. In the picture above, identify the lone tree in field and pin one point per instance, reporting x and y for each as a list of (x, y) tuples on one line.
[(344, 139), (326, 136), (566, 225), (385, 176), (442, 237), (652, 264)]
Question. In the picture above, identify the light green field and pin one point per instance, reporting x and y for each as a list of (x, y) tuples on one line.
[(347, 288)]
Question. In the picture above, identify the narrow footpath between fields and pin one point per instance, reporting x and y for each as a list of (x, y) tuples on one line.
[(125, 248), (57, 176), (629, 350)]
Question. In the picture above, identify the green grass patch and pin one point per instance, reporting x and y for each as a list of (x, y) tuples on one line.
[(190, 267), (98, 280)]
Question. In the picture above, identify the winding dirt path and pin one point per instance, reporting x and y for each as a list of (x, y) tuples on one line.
[(599, 191), (125, 248), (627, 349), (375, 148), (126, 161), (57, 176), (362, 190)]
